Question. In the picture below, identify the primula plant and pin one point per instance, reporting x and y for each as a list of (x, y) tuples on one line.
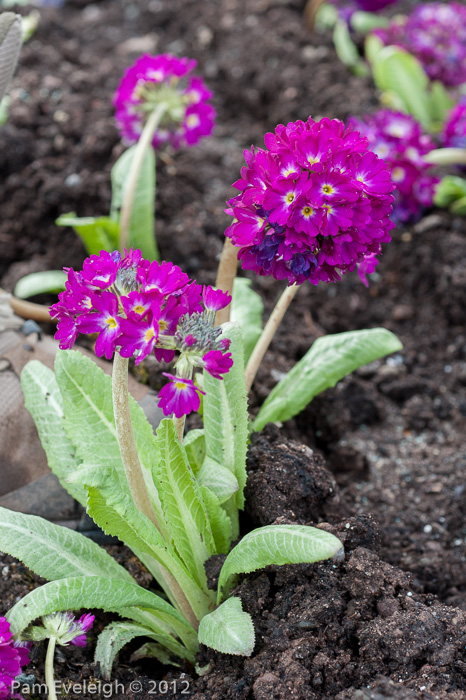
[(313, 206), (13, 656)]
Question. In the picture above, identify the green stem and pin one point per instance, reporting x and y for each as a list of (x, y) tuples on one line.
[(268, 333), (131, 184), (446, 156), (49, 679)]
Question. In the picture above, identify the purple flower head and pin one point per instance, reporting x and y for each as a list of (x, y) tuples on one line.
[(138, 308), (13, 655), (347, 7), (64, 628), (454, 135), (180, 396), (84, 624), (312, 205), (435, 33), (154, 81), (398, 139)]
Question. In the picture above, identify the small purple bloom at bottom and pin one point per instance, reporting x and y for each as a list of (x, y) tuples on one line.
[(180, 396)]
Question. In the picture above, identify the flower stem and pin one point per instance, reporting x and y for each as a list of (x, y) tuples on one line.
[(49, 679), (446, 156), (226, 276), (135, 169), (268, 333)]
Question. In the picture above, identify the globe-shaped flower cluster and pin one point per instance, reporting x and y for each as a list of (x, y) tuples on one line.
[(163, 79), (435, 33), (454, 134), (399, 139), (312, 205), (138, 307)]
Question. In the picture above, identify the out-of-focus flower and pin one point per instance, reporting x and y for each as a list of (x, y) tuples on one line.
[(454, 134), (398, 139), (13, 655), (163, 80), (347, 7), (312, 205), (435, 33), (137, 308)]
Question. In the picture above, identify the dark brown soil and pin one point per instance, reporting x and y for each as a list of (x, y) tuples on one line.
[(379, 459)]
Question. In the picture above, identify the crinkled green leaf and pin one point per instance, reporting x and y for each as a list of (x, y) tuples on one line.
[(49, 281), (97, 233), (89, 592), (220, 480), (44, 402), (118, 634), (226, 416), (220, 523), (330, 358), (10, 46), (276, 544), (182, 503), (90, 425), (142, 222), (194, 444), (246, 310), (52, 551), (228, 629)]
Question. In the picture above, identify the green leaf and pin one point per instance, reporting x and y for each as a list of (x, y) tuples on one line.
[(97, 233), (279, 545), (246, 310), (365, 22), (440, 104), (118, 634), (218, 479), (449, 189), (226, 416), (75, 593), (182, 503), (52, 551), (330, 359), (459, 207), (228, 629), (150, 650), (44, 402), (142, 223), (90, 425), (220, 523), (40, 283), (397, 72), (194, 444), (346, 49)]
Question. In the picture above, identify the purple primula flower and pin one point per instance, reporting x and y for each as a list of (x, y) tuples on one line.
[(313, 205), (137, 308), (84, 624), (454, 134), (163, 80), (13, 655), (180, 396), (398, 139), (435, 33), (346, 8)]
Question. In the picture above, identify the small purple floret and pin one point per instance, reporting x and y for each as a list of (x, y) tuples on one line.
[(179, 396)]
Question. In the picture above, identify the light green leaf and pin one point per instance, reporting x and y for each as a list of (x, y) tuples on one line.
[(219, 521), (226, 418), (228, 629), (97, 233), (40, 283), (182, 503), (52, 551), (194, 444), (397, 72), (372, 46), (450, 189), (118, 634), (44, 402), (246, 310), (365, 22), (218, 479), (142, 223), (88, 408), (150, 650), (440, 104), (330, 359), (75, 593), (459, 207), (279, 545), (346, 49)]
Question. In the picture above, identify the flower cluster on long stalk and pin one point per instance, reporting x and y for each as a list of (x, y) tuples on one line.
[(312, 205), (162, 80), (435, 33), (399, 139), (137, 308)]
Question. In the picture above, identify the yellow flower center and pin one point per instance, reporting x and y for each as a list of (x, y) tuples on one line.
[(111, 322), (180, 385), (289, 197), (149, 334), (163, 325), (327, 189), (398, 174), (307, 211), (138, 309)]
